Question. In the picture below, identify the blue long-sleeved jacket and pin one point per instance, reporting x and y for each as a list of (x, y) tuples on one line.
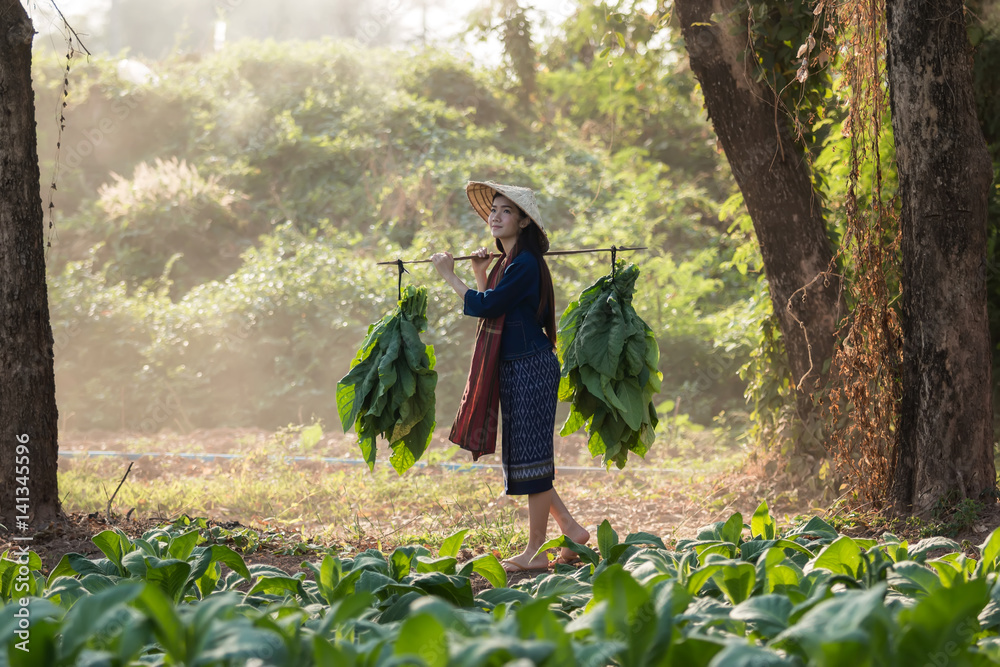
[(517, 296)]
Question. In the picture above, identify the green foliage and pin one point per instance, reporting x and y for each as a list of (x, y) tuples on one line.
[(614, 73), (609, 362), (389, 390), (306, 163), (795, 50), (807, 596), (508, 19), (167, 211)]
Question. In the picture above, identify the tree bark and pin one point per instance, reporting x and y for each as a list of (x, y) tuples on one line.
[(774, 177), (946, 415), (27, 381)]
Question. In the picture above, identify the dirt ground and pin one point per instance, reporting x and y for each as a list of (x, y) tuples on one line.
[(673, 505)]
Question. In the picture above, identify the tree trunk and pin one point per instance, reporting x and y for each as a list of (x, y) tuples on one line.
[(27, 382), (774, 178), (946, 416)]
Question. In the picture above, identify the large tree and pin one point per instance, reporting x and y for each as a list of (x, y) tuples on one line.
[(27, 380), (772, 173), (946, 415)]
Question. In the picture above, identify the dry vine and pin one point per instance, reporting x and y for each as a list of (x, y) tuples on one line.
[(864, 405)]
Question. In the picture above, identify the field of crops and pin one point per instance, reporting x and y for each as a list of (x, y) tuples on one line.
[(739, 594)]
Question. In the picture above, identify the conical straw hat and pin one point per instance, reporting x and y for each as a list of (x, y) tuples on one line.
[(481, 196)]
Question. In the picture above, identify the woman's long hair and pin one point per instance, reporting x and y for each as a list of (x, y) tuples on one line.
[(529, 240)]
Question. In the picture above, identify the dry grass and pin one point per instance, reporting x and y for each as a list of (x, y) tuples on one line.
[(348, 505)]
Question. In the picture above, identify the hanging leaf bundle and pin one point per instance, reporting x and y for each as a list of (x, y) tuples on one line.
[(609, 362), (389, 390)]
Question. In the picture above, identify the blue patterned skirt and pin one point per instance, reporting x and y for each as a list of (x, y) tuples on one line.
[(529, 389)]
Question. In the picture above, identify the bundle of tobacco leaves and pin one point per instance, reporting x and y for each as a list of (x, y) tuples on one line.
[(609, 362), (389, 390)]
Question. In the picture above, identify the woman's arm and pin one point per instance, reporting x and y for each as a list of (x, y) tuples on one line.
[(519, 277), (480, 263), (517, 282), (445, 265)]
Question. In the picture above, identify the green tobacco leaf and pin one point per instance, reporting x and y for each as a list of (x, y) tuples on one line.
[(913, 579), (736, 581), (180, 547), (350, 395), (768, 614), (943, 623), (601, 337), (489, 568), (607, 539), (366, 442), (96, 614), (413, 347), (407, 383), (497, 596), (696, 650), (567, 390), (922, 549), (414, 444), (423, 637), (401, 562), (633, 408), (445, 564), (644, 538), (842, 556), (455, 589), (114, 546), (611, 393), (634, 540), (815, 527), (223, 554), (745, 655), (573, 423), (788, 544), (843, 624), (700, 577), (782, 578), (990, 550), (171, 575), (586, 554), (205, 572), (593, 381), (69, 565), (627, 611), (277, 586), (453, 544), (732, 529), (635, 353), (609, 360), (328, 576), (166, 624), (762, 524), (389, 391), (708, 547)]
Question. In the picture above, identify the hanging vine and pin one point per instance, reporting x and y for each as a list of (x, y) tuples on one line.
[(72, 41), (864, 407), (797, 46)]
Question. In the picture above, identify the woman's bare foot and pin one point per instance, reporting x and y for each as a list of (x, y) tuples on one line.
[(524, 561), (579, 535)]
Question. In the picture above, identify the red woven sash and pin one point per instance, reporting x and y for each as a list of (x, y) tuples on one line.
[(475, 427)]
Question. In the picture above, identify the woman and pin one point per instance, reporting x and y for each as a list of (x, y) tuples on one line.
[(528, 369)]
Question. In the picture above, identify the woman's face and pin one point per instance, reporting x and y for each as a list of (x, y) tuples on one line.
[(506, 221)]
